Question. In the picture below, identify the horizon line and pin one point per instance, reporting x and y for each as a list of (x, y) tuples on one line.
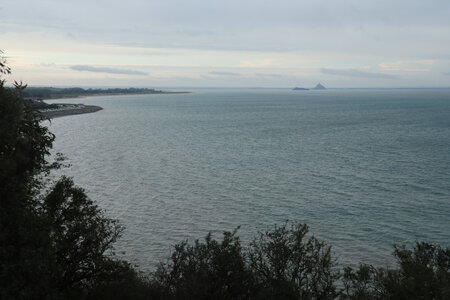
[(231, 87)]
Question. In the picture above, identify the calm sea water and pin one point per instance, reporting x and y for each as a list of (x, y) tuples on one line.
[(364, 169)]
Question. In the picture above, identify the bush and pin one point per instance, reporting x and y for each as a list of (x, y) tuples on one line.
[(279, 264), (423, 273), (209, 270), (288, 265)]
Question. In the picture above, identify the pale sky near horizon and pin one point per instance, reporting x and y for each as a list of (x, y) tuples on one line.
[(246, 43)]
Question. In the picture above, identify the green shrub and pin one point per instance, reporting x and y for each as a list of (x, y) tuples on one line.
[(423, 273)]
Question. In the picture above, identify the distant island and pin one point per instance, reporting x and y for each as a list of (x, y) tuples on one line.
[(317, 87), (75, 92)]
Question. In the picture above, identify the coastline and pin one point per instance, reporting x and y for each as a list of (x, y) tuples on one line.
[(72, 111), (76, 109), (60, 97)]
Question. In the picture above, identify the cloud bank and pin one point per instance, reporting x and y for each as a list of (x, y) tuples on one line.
[(107, 70), (358, 43), (356, 73), (408, 66), (225, 73)]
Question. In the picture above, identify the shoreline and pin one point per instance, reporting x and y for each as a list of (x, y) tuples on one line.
[(102, 95), (84, 109), (69, 112)]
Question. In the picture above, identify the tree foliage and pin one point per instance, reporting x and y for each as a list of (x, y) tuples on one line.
[(289, 265), (54, 244), (279, 264), (423, 273), (80, 235), (24, 145), (206, 270)]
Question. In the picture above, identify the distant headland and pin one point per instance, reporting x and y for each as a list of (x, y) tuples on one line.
[(75, 92), (34, 97), (317, 87)]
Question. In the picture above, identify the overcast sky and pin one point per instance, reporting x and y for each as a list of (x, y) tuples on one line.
[(245, 43)]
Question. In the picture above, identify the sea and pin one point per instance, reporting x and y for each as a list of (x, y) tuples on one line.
[(365, 169)]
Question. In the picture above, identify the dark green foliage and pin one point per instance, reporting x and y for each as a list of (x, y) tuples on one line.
[(80, 235), (365, 283), (209, 270), (123, 282), (39, 104), (279, 264), (288, 265), (423, 273), (54, 245), (24, 144), (4, 69)]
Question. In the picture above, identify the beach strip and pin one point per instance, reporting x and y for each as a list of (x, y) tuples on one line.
[(84, 109)]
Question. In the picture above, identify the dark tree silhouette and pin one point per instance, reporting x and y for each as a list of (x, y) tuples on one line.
[(55, 244)]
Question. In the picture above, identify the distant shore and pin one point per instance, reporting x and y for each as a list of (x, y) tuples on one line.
[(65, 109), (55, 113), (58, 97), (50, 93)]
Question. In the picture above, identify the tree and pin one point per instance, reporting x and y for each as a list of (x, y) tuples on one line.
[(288, 265), (80, 236), (53, 244), (206, 270), (24, 145), (279, 264), (423, 273), (365, 283)]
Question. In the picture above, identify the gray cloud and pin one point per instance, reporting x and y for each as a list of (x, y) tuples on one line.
[(350, 33), (107, 70), (225, 73), (447, 73), (245, 25), (356, 73), (48, 65), (269, 75)]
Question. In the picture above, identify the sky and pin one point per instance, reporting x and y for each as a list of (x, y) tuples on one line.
[(245, 43)]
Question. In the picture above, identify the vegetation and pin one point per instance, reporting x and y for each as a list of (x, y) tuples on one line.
[(279, 264), (39, 104), (55, 243), (288, 265), (51, 92), (284, 264), (423, 273)]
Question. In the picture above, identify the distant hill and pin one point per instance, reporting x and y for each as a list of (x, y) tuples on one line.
[(319, 87), (52, 93)]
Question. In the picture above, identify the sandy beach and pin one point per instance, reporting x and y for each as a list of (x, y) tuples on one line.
[(72, 111)]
